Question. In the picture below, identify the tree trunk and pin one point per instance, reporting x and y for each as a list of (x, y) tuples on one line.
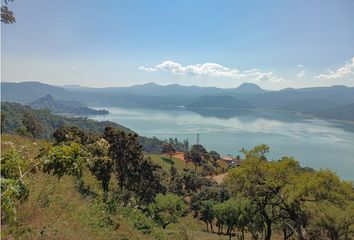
[(207, 226), (268, 231), (285, 234), (211, 227), (301, 233)]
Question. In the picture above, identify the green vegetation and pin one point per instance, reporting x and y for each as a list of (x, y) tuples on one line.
[(7, 16), (64, 106), (13, 114), (167, 208), (32, 125), (102, 186)]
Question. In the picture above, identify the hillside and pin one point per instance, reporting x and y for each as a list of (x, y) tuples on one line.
[(61, 209), (219, 102), (307, 105), (249, 88), (26, 92), (14, 115), (345, 112), (45, 197), (152, 95), (337, 94), (62, 106)]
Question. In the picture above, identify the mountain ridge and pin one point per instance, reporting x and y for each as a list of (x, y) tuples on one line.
[(64, 106), (152, 95)]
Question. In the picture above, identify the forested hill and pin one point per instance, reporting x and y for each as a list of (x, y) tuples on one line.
[(13, 123), (64, 106), (345, 112), (151, 95), (219, 102)]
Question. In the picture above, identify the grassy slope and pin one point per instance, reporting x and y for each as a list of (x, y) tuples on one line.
[(56, 210), (165, 162)]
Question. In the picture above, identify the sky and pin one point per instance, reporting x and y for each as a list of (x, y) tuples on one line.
[(222, 43)]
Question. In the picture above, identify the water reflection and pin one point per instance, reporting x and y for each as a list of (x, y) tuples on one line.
[(246, 115), (314, 142)]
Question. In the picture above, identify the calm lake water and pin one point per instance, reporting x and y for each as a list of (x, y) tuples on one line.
[(314, 142)]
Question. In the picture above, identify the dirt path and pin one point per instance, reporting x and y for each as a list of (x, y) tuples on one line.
[(219, 178), (179, 155)]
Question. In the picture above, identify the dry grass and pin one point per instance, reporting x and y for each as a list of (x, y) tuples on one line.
[(56, 210)]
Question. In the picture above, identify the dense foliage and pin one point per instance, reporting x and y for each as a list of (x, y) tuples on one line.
[(12, 122), (260, 199)]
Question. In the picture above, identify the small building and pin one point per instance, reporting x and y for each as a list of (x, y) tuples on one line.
[(232, 161)]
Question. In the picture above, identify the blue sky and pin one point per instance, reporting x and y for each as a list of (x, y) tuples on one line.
[(275, 44)]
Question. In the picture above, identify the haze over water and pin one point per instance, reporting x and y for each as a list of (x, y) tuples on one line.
[(314, 142)]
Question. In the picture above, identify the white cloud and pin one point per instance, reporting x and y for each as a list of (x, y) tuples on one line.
[(301, 74), (213, 70), (300, 66), (342, 72)]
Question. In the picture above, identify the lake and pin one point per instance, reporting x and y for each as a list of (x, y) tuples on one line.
[(315, 143)]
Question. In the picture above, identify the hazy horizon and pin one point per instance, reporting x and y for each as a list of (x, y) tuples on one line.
[(166, 84)]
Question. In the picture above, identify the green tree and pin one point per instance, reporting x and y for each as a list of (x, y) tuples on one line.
[(227, 214), (214, 155), (149, 179), (32, 124), (133, 172), (215, 193), (207, 213), (310, 190), (70, 134), (126, 154), (101, 165), (281, 191), (176, 182), (65, 160), (259, 152), (167, 208), (197, 154), (3, 116), (169, 149), (7, 16), (13, 189)]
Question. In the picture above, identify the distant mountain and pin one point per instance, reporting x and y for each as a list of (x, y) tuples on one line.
[(337, 94), (249, 88), (26, 92), (153, 89), (62, 106), (306, 105), (345, 112), (152, 95), (219, 102)]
